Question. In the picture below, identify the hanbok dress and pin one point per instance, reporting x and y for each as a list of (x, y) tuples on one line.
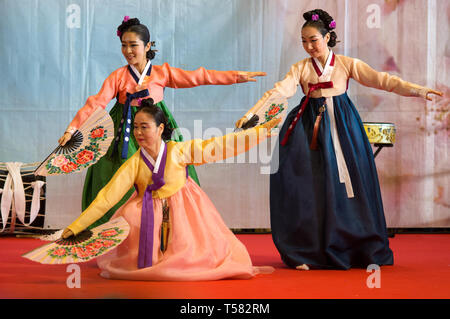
[(200, 246), (122, 84), (326, 209)]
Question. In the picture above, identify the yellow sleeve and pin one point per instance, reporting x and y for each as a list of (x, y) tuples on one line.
[(198, 151), (117, 187), (364, 74)]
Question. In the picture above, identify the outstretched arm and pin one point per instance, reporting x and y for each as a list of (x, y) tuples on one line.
[(198, 152), (179, 78), (364, 74), (101, 99), (109, 195)]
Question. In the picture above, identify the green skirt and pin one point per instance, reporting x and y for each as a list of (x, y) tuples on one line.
[(99, 174)]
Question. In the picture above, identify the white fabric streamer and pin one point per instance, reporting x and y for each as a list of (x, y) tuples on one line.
[(7, 195), (18, 190), (14, 192), (36, 201)]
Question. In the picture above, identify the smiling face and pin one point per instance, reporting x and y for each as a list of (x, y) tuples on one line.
[(134, 50), (314, 43), (146, 132)]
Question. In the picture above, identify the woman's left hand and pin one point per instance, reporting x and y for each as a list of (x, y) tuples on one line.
[(430, 91), (250, 75)]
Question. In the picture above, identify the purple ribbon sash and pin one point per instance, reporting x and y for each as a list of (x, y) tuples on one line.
[(147, 216)]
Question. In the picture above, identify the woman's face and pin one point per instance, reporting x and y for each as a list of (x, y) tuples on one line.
[(146, 132), (314, 43), (133, 49)]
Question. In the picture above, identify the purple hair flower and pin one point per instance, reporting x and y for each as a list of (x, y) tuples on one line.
[(332, 24), (125, 19), (315, 17)]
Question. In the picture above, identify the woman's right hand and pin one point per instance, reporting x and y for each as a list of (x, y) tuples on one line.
[(241, 122), (65, 138), (66, 233)]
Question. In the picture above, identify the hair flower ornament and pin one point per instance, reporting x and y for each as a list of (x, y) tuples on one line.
[(315, 17), (125, 19), (332, 24)]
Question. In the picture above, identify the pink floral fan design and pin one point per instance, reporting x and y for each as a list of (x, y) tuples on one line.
[(87, 145), (85, 246), (275, 106)]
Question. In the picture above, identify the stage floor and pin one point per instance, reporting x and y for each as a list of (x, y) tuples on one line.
[(421, 270)]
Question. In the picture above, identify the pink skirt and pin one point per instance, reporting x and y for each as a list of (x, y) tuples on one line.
[(200, 245)]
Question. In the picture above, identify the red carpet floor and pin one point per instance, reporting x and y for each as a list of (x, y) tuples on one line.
[(421, 271)]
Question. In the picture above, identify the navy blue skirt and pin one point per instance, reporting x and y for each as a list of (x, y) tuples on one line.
[(313, 221)]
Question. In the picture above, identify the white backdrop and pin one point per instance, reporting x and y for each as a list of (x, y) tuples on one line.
[(54, 54)]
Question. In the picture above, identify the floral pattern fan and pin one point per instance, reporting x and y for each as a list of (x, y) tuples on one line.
[(87, 145), (85, 246)]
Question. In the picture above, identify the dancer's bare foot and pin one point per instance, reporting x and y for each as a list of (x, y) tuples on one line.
[(302, 267)]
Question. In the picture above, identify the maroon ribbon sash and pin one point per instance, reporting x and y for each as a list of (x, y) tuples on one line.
[(148, 216), (312, 88)]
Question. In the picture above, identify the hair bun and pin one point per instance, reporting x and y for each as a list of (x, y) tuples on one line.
[(333, 39), (149, 102), (322, 15), (126, 23), (308, 15)]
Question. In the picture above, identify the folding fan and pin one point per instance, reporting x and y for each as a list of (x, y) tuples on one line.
[(87, 145), (85, 246), (275, 106)]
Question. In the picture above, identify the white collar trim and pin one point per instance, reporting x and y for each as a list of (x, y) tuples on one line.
[(327, 64), (139, 75), (158, 159)]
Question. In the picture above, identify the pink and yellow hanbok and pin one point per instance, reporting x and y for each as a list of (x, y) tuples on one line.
[(200, 246)]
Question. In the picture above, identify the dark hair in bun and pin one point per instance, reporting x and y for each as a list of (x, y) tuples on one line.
[(134, 25), (323, 22), (148, 107)]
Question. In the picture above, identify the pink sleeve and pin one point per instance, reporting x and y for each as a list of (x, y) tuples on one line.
[(101, 99), (179, 78)]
